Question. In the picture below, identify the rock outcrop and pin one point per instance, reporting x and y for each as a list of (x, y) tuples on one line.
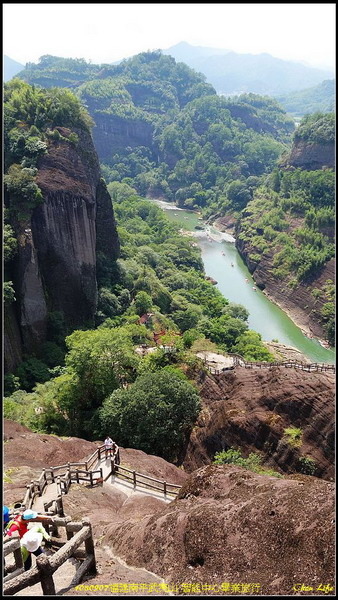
[(250, 409), (229, 531), (51, 451), (232, 531), (113, 133), (311, 156), (55, 267)]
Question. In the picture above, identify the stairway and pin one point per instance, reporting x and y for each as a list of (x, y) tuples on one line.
[(49, 493)]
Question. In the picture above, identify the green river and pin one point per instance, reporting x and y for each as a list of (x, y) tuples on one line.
[(223, 263)]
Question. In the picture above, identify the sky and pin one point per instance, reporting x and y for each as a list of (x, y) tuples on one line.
[(107, 32)]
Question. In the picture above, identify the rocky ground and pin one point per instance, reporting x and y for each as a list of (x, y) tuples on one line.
[(283, 352), (230, 531)]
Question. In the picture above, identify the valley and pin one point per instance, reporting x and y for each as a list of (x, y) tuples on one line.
[(237, 283)]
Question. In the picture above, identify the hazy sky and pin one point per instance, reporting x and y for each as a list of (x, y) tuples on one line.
[(109, 32)]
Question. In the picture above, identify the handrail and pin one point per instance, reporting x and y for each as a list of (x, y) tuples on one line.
[(45, 567), (64, 480), (292, 363), (134, 477)]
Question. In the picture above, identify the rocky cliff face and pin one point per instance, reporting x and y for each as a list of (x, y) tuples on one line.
[(56, 262), (298, 301), (112, 134), (12, 340), (311, 156), (251, 409)]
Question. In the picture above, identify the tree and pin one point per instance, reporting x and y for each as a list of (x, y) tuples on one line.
[(238, 194), (249, 345), (143, 303), (97, 363), (236, 310), (155, 414)]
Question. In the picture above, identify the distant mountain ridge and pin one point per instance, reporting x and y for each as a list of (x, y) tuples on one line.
[(320, 98), (11, 68), (233, 73)]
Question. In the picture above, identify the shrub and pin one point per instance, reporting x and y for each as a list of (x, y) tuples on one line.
[(8, 291), (293, 436), (307, 465), (252, 463), (11, 384), (31, 371)]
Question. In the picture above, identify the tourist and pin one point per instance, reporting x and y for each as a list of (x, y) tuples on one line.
[(20, 522), (108, 444), (6, 517), (31, 543)]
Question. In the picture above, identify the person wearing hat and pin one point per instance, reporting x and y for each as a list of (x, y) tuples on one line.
[(31, 543), (20, 523)]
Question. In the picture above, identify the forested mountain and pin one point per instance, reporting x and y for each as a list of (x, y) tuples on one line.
[(320, 98), (286, 233), (314, 142), (10, 68), (159, 125), (233, 73), (62, 273)]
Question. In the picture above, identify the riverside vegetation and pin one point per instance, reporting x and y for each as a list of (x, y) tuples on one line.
[(202, 155), (173, 137), (291, 219)]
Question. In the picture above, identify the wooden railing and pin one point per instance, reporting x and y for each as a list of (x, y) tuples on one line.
[(54, 507), (137, 479), (288, 364), (77, 533), (64, 475), (12, 546)]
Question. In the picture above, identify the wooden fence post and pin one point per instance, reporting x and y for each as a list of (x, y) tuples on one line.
[(77, 475), (89, 545), (60, 507), (46, 575), (134, 479), (99, 454), (165, 487), (69, 533)]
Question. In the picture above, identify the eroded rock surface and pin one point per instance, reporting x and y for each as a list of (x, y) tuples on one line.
[(251, 408), (229, 525)]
